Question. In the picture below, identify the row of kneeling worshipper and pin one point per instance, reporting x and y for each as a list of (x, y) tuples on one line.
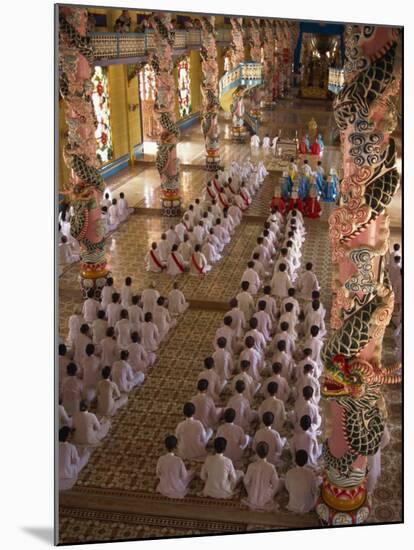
[(198, 240), (110, 347), (267, 356)]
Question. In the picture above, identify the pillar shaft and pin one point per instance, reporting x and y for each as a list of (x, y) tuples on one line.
[(85, 185), (209, 90), (268, 63), (166, 159), (239, 132), (256, 56), (363, 298)]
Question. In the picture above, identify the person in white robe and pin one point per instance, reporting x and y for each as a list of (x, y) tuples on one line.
[(162, 318), (307, 378), (307, 360), (99, 327), (223, 360), (150, 335), (74, 324), (274, 144), (199, 233), (210, 192), (283, 388), (286, 335), (255, 141), (172, 236), (126, 293), (72, 390), (172, 473), (235, 212), (251, 276), (289, 317), (177, 303), (107, 291), (123, 330), (281, 356), (109, 398), (205, 410), (290, 299), (271, 307), (71, 462), (305, 407), (272, 437), (284, 258), (305, 438), (244, 194), (80, 343), (123, 210), (215, 384), (264, 323), (280, 283), (241, 203), (139, 359), (245, 416), (306, 169), (109, 348), (237, 440), (175, 262), (64, 418), (186, 249), (264, 255), (259, 268), (261, 481), (124, 376), (301, 482), (226, 332), (274, 405), (192, 436), (182, 229), (251, 354), (245, 301), (149, 298), (88, 431), (66, 253), (251, 384), (198, 262), (164, 248), (219, 474), (91, 369), (266, 143), (209, 251), (113, 214), (215, 241), (259, 339), (113, 310), (307, 282), (135, 314), (221, 232), (315, 343), (153, 260), (238, 319)]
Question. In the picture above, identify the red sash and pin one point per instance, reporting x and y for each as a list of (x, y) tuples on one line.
[(231, 189), (185, 225), (212, 196), (156, 261), (177, 263), (224, 203), (198, 268), (216, 184), (246, 200)]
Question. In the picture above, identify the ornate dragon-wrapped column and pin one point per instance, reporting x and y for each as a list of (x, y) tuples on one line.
[(363, 297), (209, 91), (85, 185), (166, 159), (255, 42), (268, 63), (236, 57)]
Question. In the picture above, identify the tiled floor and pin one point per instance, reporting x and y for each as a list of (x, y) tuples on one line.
[(115, 495)]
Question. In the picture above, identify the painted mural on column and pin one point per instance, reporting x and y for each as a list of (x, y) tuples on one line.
[(85, 187), (363, 298), (268, 63), (255, 42), (237, 108), (100, 100)]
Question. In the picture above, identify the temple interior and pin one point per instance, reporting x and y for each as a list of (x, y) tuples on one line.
[(269, 78)]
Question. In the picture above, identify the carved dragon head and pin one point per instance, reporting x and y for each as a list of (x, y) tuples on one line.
[(352, 379)]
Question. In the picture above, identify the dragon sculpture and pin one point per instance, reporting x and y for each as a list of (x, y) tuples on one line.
[(166, 160), (363, 298), (209, 90), (237, 109), (85, 186)]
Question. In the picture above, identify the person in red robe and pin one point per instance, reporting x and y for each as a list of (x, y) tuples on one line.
[(278, 201), (296, 202), (316, 149), (312, 205)]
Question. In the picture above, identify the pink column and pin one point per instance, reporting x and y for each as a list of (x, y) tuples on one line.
[(166, 159), (86, 185), (363, 298), (209, 90), (236, 57), (255, 42)]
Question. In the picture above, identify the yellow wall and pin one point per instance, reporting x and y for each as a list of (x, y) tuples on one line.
[(134, 117), (195, 76), (119, 115)]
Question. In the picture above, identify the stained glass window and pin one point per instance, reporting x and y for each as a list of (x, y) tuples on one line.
[(100, 100), (184, 94), (147, 83)]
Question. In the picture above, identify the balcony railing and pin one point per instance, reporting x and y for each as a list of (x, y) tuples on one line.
[(245, 74), (113, 45)]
